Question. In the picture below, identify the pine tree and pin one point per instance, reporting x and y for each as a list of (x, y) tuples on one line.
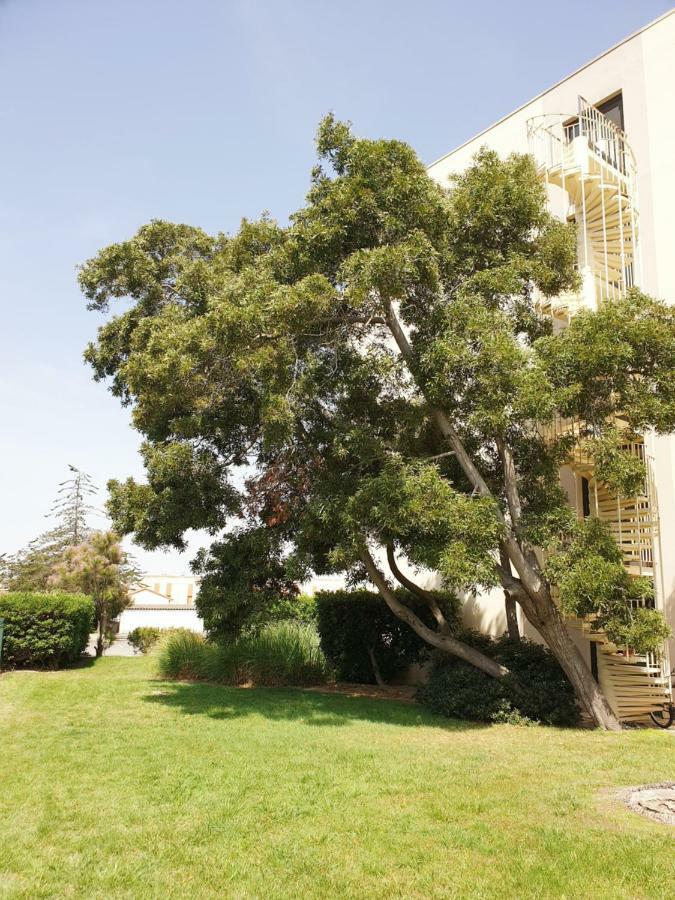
[(30, 568), (72, 508)]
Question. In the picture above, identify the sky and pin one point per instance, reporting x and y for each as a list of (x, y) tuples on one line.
[(202, 112)]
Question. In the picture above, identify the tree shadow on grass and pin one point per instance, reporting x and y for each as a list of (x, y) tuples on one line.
[(82, 662), (294, 704)]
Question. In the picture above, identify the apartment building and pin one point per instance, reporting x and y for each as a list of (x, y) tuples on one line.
[(604, 142), (162, 601)]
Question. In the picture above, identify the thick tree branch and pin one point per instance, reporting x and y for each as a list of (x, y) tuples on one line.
[(510, 480), (441, 641), (527, 572), (509, 600), (427, 596)]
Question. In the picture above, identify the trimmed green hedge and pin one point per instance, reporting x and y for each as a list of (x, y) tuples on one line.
[(45, 629), (353, 623)]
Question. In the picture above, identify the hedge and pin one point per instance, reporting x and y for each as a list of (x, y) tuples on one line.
[(49, 630), (355, 624), (536, 690)]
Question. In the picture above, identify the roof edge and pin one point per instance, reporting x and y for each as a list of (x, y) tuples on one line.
[(513, 112)]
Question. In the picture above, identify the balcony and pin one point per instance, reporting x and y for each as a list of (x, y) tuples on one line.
[(590, 174)]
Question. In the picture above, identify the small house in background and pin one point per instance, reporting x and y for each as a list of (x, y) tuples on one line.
[(162, 601)]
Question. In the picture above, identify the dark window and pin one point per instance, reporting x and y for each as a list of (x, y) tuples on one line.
[(585, 498), (613, 109)]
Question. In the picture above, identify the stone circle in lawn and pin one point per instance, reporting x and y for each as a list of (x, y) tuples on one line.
[(656, 801)]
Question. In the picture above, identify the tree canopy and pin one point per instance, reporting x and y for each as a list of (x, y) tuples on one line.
[(376, 374)]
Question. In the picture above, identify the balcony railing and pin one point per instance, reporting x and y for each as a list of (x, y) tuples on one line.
[(591, 177)]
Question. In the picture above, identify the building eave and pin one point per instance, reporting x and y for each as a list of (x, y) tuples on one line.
[(548, 90)]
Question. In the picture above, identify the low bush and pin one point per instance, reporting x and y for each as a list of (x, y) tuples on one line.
[(283, 653), (536, 690), (144, 637), (50, 629), (357, 626)]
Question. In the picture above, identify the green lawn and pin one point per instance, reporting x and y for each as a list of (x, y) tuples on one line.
[(118, 785)]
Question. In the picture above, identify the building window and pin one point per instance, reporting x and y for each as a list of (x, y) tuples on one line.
[(585, 498), (168, 591), (189, 593), (613, 109), (157, 588)]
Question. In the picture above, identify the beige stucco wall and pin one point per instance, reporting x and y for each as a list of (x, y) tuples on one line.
[(179, 589), (643, 68)]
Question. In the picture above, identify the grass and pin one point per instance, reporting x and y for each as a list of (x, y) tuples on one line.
[(282, 653), (118, 785)]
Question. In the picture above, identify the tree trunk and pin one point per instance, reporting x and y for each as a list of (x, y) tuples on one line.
[(427, 596), (509, 600), (588, 691), (101, 635), (441, 641), (511, 617), (541, 612), (376, 669), (530, 588)]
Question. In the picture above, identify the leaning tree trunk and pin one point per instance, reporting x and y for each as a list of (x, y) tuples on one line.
[(588, 691), (441, 641), (529, 588), (427, 596), (543, 613), (101, 634)]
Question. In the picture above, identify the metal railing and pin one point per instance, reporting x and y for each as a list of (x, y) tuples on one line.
[(552, 136), (591, 178)]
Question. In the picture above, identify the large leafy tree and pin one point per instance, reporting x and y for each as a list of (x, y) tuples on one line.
[(381, 366)]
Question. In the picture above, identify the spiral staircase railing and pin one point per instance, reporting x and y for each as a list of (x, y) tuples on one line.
[(590, 174)]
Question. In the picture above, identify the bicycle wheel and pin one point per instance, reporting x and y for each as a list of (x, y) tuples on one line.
[(663, 718)]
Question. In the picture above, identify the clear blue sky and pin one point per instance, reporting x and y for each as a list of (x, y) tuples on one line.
[(203, 111)]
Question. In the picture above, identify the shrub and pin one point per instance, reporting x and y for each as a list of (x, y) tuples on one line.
[(45, 629), (300, 609), (144, 637), (279, 654), (536, 690), (354, 624), (182, 654), (462, 692)]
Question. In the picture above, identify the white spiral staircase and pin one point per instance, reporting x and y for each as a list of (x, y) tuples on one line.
[(589, 169)]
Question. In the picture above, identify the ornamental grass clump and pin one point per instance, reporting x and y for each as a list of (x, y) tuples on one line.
[(144, 638), (284, 653), (183, 655)]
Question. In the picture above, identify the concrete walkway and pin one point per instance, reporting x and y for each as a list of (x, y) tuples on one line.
[(119, 647)]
